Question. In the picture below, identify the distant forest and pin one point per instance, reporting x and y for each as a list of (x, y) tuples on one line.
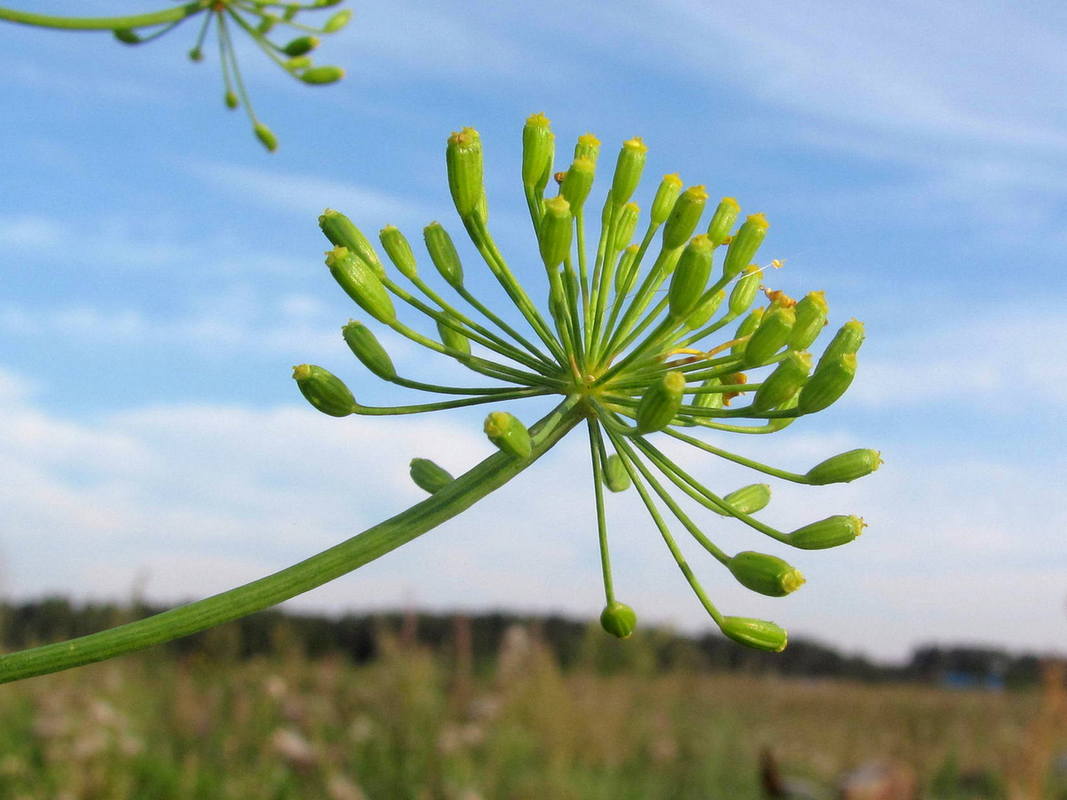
[(477, 639)]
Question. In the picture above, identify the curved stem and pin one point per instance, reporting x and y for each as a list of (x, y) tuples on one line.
[(361, 549), (103, 23)]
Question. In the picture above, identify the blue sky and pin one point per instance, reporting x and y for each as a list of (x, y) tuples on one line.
[(161, 273)]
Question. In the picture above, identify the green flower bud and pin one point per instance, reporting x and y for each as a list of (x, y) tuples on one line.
[(320, 76), (588, 146), (463, 157), (744, 291), (340, 231), (366, 347), (829, 382), (747, 327), (398, 248), (298, 63), (684, 217), (538, 149), (709, 399), (324, 390), (556, 230), (660, 403), (765, 574), (428, 476), (627, 270), (704, 311), (756, 633), (290, 12), (812, 311), (771, 335), (265, 26), (301, 46), (230, 99), (691, 275), (723, 220), (507, 433), (577, 183), (742, 250), (847, 340), (845, 467), (196, 54), (784, 383), (666, 196), (748, 499), (126, 36), (361, 284), (618, 619), (266, 136), (625, 224), (830, 532), (616, 478), (454, 339), (337, 21), (443, 253), (628, 170)]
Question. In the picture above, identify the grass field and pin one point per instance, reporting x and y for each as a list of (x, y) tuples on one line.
[(413, 724)]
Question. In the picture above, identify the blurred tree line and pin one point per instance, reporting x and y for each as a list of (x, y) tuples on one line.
[(574, 643)]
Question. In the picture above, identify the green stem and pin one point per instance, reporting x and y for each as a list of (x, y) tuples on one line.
[(460, 494), (103, 23)]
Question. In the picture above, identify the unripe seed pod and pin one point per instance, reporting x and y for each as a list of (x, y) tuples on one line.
[(765, 574), (684, 217), (555, 232), (340, 232), (627, 270), (616, 478), (230, 99), (830, 532), (322, 76), (743, 247), (453, 339), (847, 340), (625, 223), (588, 146), (666, 196), (709, 399), (829, 382), (557, 299), (538, 150), (577, 183), (747, 500), (361, 284), (298, 63), (756, 633), (745, 290), (691, 276), (812, 311), (428, 476), (443, 253), (704, 310), (463, 157), (660, 403), (337, 21), (324, 390), (398, 248), (300, 46), (507, 433), (747, 327), (845, 467), (771, 335), (784, 383), (366, 347), (618, 619), (126, 36), (723, 220), (265, 26), (781, 423), (266, 136), (628, 170)]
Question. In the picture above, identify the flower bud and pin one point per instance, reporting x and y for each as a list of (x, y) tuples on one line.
[(337, 21), (588, 146), (321, 76), (748, 499), (453, 339), (625, 224), (660, 403), (300, 46), (298, 63), (230, 99), (684, 217), (784, 383), (577, 183), (812, 311), (616, 478), (745, 290), (709, 399), (830, 532), (366, 347), (704, 311), (847, 340), (845, 467), (443, 254), (747, 327), (126, 36), (765, 574), (555, 232), (743, 247), (266, 136), (627, 270), (618, 619), (265, 26), (361, 284), (398, 248), (755, 633), (771, 335), (428, 476), (723, 220), (324, 390), (666, 196), (463, 157), (538, 148), (827, 384), (691, 275), (628, 170), (340, 231), (507, 433)]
